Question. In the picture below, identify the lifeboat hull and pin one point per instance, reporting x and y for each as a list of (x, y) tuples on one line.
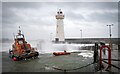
[(61, 53), (23, 56)]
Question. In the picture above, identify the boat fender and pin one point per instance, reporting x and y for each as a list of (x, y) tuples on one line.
[(14, 59)]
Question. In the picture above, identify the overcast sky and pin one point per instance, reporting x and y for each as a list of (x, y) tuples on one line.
[(37, 19)]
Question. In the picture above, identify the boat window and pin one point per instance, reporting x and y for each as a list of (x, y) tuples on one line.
[(20, 36), (20, 42)]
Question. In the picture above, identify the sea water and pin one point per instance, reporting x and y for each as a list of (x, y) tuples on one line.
[(47, 61)]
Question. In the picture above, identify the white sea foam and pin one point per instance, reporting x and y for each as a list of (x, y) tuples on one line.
[(87, 54), (49, 47)]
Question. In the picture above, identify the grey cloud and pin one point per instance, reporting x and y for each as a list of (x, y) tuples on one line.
[(22, 4), (47, 10), (10, 17), (72, 16), (75, 5), (90, 5), (61, 1), (71, 6), (104, 18), (101, 5)]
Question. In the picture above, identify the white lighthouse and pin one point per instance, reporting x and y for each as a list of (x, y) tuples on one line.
[(60, 26)]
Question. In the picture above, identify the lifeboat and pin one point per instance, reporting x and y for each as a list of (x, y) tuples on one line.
[(61, 53), (21, 49)]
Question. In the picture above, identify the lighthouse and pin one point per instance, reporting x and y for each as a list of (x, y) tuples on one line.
[(60, 26)]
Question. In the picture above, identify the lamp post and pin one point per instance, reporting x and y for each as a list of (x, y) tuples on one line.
[(110, 43), (81, 33)]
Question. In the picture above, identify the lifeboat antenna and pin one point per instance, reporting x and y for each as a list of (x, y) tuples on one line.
[(19, 30)]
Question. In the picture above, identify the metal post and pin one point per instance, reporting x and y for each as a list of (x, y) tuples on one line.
[(96, 53), (81, 33)]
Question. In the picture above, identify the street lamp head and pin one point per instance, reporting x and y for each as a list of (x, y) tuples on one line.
[(110, 25)]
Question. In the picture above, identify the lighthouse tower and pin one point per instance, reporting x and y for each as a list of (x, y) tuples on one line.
[(60, 26)]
